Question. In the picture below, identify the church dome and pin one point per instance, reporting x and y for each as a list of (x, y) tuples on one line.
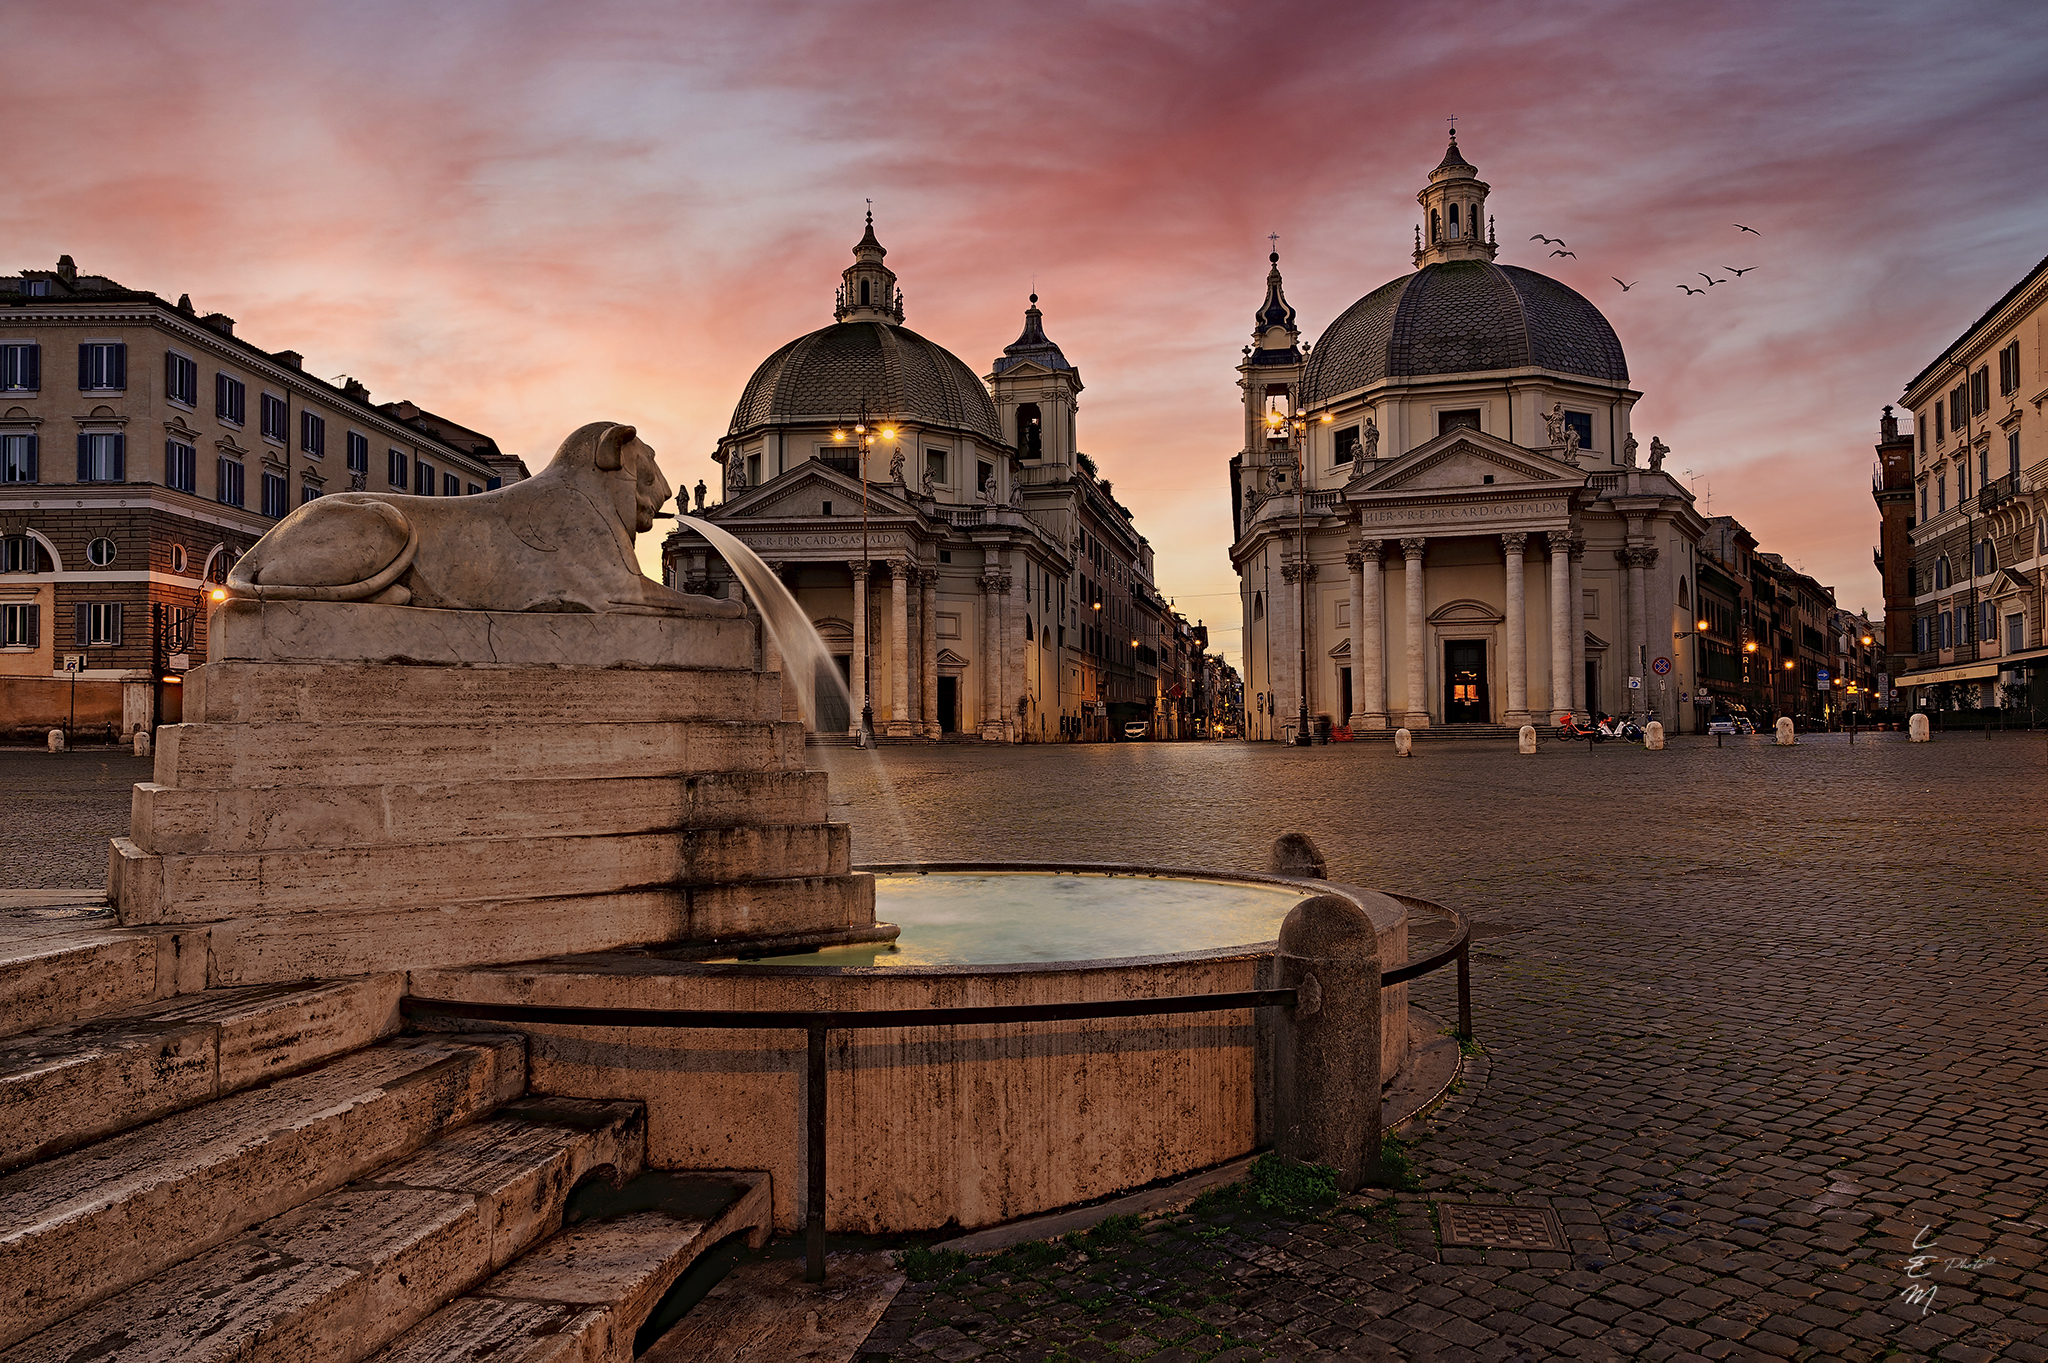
[(828, 376), (1461, 317)]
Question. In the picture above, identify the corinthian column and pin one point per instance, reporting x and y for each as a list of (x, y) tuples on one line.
[(1575, 612), (1561, 650), (991, 656), (1355, 561), (1638, 558), (899, 650), (1417, 715), (1516, 625), (857, 668), (928, 648), (1370, 678)]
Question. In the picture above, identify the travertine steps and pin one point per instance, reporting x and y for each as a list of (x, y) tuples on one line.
[(345, 1274), (71, 1083), (583, 1295), (85, 1225), (81, 965)]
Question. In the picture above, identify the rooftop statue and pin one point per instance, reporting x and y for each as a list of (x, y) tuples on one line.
[(560, 541)]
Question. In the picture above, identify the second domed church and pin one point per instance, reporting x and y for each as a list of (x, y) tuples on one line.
[(1439, 516)]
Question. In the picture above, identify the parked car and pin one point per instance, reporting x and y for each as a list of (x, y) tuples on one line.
[(1137, 729), (1722, 724)]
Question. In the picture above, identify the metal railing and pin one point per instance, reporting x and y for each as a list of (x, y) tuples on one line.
[(815, 1023)]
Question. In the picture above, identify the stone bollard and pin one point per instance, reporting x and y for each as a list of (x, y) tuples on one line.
[(1404, 743), (1786, 738), (1916, 729), (1326, 1086), (56, 740), (1653, 735), (1296, 854), (144, 744), (1527, 738)]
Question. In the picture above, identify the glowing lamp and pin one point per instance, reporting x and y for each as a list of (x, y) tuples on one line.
[(220, 593)]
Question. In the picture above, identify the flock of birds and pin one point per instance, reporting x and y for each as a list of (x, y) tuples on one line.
[(1563, 250)]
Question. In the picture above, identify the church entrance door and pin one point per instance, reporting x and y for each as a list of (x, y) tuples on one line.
[(834, 714), (949, 705), (1465, 700)]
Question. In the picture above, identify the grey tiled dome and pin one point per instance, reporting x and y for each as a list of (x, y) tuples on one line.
[(1458, 317), (827, 375)]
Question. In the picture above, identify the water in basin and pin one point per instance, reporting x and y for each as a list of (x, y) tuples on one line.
[(1006, 917)]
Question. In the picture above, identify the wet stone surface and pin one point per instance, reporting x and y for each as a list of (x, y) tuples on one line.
[(1756, 1020)]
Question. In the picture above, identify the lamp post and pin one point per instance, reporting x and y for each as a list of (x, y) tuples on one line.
[(1699, 627), (866, 436), (1790, 665), (1749, 672), (1297, 427)]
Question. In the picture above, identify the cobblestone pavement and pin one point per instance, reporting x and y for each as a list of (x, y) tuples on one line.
[(1765, 1029), (61, 809)]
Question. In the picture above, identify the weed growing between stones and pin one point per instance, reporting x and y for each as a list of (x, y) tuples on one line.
[(1278, 1184), (1396, 1168), (923, 1264)]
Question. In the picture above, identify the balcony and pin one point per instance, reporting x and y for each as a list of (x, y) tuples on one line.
[(1997, 490)]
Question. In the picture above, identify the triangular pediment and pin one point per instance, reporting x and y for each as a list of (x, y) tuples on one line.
[(1343, 648), (2011, 580), (804, 490), (948, 658), (1594, 642), (1465, 458)]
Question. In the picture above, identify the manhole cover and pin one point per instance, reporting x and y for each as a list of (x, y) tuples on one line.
[(1500, 1227)]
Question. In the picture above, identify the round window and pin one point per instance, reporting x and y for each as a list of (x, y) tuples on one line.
[(100, 552), (177, 558)]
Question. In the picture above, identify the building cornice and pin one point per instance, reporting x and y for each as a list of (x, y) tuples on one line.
[(1963, 352)]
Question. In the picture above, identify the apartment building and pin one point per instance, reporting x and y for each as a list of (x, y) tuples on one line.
[(1979, 543), (144, 447)]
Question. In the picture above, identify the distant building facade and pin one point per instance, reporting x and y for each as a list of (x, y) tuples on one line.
[(143, 449), (968, 569), (1978, 539)]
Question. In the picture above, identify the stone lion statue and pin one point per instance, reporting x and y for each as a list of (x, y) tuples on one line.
[(561, 540)]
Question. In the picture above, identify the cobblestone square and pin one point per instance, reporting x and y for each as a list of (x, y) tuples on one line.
[(1756, 1021)]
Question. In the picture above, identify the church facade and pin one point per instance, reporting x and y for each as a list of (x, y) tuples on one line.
[(1439, 512), (964, 565)]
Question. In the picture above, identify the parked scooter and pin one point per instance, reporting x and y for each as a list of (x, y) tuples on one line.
[(1568, 729)]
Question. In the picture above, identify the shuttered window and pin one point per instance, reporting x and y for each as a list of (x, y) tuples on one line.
[(230, 399), (313, 434), (228, 482), (18, 458), (276, 495), (21, 626), (181, 379), (96, 622), (274, 414), (423, 479), (358, 452), (398, 468), (181, 466), (451, 485), (21, 368), (102, 457), (102, 366)]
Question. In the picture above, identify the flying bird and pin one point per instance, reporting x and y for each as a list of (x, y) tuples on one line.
[(1687, 287), (1751, 230), (1573, 254), (1625, 287), (1743, 271), (1711, 281), (1548, 241)]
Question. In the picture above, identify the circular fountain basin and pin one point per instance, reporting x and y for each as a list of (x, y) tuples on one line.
[(956, 918), (967, 1125)]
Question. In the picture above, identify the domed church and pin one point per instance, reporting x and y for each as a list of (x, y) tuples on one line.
[(1439, 513), (953, 547)]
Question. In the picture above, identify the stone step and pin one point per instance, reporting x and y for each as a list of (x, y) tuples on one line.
[(483, 932), (81, 964), (88, 1224), (286, 818), (585, 1294), (75, 1082), (338, 693), (213, 886), (345, 1274), (1506, 732), (238, 756)]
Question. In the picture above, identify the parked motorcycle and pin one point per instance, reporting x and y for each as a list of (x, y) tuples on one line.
[(1568, 729)]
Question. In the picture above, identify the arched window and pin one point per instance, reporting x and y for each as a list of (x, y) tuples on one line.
[(1684, 598), (1941, 572), (1436, 226), (864, 293), (1454, 222), (1258, 606), (1029, 444)]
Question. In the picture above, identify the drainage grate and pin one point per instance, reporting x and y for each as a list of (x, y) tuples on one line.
[(1500, 1227)]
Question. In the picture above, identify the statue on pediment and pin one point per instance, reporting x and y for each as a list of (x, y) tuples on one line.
[(1658, 452), (1628, 451), (1372, 439)]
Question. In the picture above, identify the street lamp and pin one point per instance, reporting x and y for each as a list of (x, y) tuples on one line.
[(1699, 627), (866, 435), (1297, 426)]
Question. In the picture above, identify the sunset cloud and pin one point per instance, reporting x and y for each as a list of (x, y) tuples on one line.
[(532, 215)]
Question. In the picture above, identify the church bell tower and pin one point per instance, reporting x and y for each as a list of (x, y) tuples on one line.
[(867, 288)]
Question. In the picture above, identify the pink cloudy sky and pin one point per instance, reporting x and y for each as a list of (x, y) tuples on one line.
[(531, 215)]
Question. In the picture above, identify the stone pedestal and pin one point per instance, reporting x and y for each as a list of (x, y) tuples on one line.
[(349, 795)]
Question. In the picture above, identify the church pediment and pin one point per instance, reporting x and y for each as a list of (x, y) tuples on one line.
[(1465, 459), (950, 661), (804, 490)]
